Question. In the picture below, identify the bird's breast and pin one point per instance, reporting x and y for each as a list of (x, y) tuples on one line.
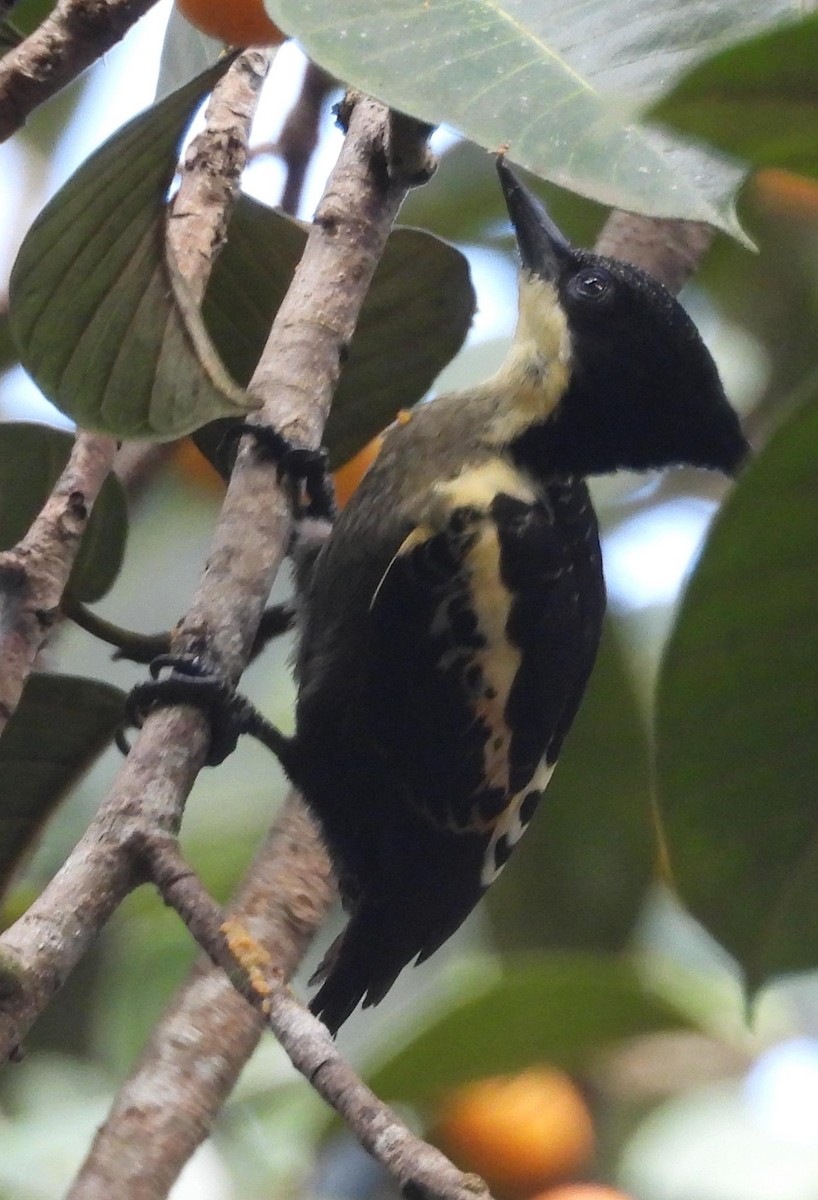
[(481, 644)]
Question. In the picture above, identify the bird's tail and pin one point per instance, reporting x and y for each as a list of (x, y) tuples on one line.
[(379, 941), (361, 965)]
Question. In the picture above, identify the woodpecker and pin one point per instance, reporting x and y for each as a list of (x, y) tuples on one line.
[(453, 617), (450, 622)]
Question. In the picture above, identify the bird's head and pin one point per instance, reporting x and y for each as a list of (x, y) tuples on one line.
[(632, 383)]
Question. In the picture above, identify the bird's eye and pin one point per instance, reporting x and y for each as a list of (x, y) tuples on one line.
[(592, 284)]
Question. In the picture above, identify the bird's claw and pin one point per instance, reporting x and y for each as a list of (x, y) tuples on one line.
[(192, 684), (299, 463)]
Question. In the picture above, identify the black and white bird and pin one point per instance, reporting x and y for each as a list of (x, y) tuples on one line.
[(453, 616)]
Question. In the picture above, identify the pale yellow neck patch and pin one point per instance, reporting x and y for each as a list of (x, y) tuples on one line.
[(537, 369)]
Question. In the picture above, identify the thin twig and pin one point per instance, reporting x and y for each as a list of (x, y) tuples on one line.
[(33, 574), (295, 379), (211, 175), (73, 36), (299, 134), (415, 1165), (194, 1056), (199, 214)]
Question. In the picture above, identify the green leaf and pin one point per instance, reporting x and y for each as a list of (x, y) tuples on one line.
[(10, 36), (557, 85), (61, 724), (31, 459), (414, 319), (462, 202), (579, 876), (186, 52), (557, 1008), (8, 350), (757, 100), (28, 14), (104, 324), (737, 751)]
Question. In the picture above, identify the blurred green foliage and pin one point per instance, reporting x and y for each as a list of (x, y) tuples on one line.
[(757, 100), (740, 684)]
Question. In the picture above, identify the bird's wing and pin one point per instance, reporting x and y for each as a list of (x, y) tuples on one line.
[(479, 653)]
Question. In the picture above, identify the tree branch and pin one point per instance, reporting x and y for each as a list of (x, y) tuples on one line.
[(199, 215), (72, 37), (42, 947), (670, 250), (33, 574), (415, 1165), (299, 135), (295, 379), (211, 174), (289, 890), (192, 1061)]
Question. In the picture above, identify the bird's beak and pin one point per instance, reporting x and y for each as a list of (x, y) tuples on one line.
[(543, 248)]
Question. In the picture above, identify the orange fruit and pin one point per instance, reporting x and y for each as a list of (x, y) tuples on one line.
[(194, 466), (351, 473), (582, 1191), (235, 22), (786, 194), (519, 1133)]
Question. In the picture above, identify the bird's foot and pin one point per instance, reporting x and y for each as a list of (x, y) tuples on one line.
[(301, 464), (229, 713)]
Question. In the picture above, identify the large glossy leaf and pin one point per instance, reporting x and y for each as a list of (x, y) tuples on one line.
[(737, 748), (414, 319), (579, 876), (60, 725), (103, 324), (757, 100), (31, 458), (462, 202), (557, 1008), (556, 82)]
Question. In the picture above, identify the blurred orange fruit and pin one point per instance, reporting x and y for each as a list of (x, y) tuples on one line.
[(235, 22), (196, 467), (582, 1191), (783, 193), (351, 473), (519, 1133), (193, 464)]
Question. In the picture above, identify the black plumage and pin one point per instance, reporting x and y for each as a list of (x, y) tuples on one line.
[(453, 617)]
